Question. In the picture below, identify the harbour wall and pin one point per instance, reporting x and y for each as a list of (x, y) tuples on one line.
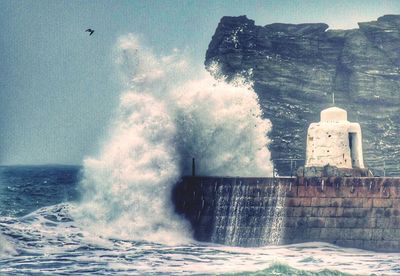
[(346, 211)]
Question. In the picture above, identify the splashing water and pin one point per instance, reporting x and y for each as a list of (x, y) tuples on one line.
[(163, 120), (221, 126), (276, 219), (235, 226), (6, 248)]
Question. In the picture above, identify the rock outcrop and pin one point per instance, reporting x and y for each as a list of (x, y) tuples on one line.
[(297, 68)]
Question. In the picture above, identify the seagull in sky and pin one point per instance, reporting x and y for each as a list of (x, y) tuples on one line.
[(90, 31)]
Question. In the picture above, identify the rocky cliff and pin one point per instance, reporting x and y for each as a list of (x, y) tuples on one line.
[(297, 68)]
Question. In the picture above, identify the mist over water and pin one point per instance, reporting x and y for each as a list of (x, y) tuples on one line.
[(165, 118)]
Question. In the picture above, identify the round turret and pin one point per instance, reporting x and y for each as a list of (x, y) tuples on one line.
[(333, 114), (334, 141)]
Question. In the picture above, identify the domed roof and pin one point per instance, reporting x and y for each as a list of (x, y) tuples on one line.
[(333, 114)]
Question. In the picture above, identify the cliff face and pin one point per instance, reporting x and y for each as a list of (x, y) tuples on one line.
[(296, 68)]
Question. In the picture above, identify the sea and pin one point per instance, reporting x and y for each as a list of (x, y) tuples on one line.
[(39, 236)]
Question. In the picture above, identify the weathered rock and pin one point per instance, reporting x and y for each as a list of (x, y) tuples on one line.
[(296, 68)]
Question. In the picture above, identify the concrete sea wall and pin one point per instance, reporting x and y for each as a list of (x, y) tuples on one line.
[(350, 212)]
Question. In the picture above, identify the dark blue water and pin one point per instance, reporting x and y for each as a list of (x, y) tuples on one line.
[(40, 235), (24, 189)]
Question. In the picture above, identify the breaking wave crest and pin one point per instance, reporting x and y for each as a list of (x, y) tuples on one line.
[(164, 119)]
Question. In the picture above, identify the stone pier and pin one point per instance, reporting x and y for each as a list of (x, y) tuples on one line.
[(346, 211)]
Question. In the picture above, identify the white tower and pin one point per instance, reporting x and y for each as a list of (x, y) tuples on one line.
[(334, 141)]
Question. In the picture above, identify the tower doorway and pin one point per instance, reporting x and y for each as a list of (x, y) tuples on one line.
[(353, 149)]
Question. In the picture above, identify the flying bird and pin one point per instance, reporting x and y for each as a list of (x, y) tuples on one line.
[(90, 31)]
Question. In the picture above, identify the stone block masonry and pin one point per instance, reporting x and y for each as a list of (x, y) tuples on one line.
[(346, 211)]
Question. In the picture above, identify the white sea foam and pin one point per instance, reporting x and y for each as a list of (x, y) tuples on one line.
[(6, 248), (49, 241), (165, 118)]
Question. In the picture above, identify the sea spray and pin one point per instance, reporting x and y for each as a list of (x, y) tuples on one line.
[(221, 126), (165, 118), (127, 188)]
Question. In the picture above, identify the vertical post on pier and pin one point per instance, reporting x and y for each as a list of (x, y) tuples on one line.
[(193, 167), (273, 170), (291, 167)]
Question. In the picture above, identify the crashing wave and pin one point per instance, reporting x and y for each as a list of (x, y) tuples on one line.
[(165, 118)]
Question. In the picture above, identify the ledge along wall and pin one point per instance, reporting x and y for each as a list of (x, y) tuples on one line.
[(346, 211)]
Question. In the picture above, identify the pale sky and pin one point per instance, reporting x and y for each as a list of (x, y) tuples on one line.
[(58, 88)]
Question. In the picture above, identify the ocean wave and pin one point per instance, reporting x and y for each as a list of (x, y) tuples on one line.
[(165, 118)]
